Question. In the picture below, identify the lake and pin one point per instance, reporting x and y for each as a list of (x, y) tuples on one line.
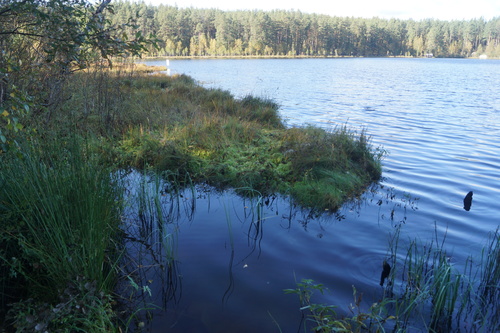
[(438, 120)]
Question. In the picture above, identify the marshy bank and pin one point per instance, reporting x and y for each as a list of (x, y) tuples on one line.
[(61, 207), (172, 123), (219, 256)]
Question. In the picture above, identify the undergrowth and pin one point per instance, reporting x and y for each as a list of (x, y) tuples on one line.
[(60, 211), (171, 123)]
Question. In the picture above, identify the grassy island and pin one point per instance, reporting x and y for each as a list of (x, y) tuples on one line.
[(60, 203), (171, 123)]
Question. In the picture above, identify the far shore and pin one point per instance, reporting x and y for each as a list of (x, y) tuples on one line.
[(303, 57)]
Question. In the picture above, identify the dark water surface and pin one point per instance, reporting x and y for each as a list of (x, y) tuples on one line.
[(439, 120)]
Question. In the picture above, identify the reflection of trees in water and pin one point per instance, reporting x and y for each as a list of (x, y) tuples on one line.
[(153, 209), (155, 206), (392, 204)]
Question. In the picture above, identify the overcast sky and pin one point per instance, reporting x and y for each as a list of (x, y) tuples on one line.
[(404, 9)]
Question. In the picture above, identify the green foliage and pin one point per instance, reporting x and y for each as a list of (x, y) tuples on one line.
[(330, 167), (12, 112), (212, 32), (68, 30), (61, 202), (43, 42), (325, 319), (60, 216), (434, 294), (171, 123), (431, 282), (80, 308), (424, 292)]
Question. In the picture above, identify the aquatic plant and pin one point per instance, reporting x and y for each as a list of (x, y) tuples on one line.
[(330, 167), (226, 142), (425, 292), (154, 205), (324, 317), (62, 200), (432, 292), (171, 123)]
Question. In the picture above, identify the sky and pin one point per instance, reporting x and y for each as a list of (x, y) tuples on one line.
[(402, 9)]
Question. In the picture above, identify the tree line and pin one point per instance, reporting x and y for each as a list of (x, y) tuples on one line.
[(213, 32)]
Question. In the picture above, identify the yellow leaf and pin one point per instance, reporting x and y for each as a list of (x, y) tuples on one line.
[(5, 113)]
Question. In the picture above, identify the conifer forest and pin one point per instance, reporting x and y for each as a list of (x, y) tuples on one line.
[(213, 32)]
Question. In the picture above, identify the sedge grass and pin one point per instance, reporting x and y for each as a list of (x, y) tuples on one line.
[(67, 207), (425, 292), (155, 204), (61, 208), (434, 294), (170, 123)]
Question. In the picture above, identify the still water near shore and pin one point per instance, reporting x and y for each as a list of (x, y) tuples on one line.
[(438, 119)]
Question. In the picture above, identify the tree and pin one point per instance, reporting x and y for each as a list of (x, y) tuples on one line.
[(191, 31), (44, 41)]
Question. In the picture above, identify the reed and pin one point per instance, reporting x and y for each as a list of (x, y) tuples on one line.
[(484, 287), (154, 205), (434, 294), (61, 209), (425, 292)]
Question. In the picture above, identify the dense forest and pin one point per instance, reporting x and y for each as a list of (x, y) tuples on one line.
[(212, 32)]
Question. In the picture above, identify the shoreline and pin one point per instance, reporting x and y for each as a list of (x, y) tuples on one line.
[(302, 57)]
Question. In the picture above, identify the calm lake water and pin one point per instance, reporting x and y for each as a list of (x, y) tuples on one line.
[(438, 119)]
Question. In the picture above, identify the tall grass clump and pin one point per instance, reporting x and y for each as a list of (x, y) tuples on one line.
[(434, 294), (330, 167), (483, 290), (428, 291), (60, 211)]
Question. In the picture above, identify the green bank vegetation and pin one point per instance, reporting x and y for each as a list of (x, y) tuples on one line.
[(60, 248), (143, 120), (60, 206), (173, 124), (69, 121)]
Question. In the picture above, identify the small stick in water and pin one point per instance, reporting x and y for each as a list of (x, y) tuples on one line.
[(468, 201), (386, 270)]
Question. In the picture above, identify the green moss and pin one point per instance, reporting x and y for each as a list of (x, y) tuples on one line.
[(171, 123)]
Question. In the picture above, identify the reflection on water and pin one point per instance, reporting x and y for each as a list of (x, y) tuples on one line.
[(193, 252), (234, 256)]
